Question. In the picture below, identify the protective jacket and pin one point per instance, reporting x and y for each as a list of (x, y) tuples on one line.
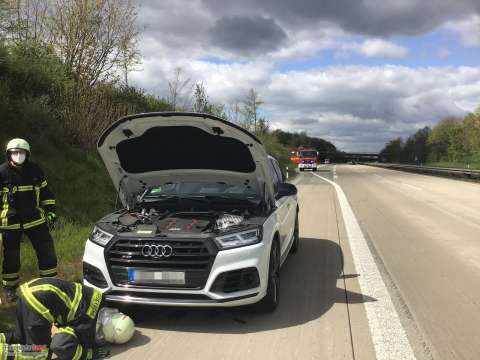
[(71, 306), (25, 197)]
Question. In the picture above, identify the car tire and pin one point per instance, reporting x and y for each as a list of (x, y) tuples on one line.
[(270, 302), (296, 237)]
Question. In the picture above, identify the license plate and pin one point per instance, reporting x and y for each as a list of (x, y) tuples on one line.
[(157, 277)]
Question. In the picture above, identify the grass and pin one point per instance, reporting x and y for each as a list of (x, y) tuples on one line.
[(84, 194), (446, 164)]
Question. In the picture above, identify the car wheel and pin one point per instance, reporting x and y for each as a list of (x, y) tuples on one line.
[(296, 237), (270, 302)]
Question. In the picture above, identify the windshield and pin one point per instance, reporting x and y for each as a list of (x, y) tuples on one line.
[(186, 189), (308, 154)]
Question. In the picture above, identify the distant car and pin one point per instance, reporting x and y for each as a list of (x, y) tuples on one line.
[(327, 161)]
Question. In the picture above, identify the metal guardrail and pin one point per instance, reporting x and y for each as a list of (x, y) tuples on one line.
[(466, 174)]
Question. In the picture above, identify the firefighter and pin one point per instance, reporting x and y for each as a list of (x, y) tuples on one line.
[(81, 323), (25, 208)]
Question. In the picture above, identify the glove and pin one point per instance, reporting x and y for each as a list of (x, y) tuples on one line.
[(101, 353), (51, 218)]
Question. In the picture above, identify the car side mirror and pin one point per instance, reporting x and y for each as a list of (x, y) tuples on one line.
[(286, 189)]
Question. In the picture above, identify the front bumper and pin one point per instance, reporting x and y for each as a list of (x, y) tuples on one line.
[(307, 166), (253, 256)]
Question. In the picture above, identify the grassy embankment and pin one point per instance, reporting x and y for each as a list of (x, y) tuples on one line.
[(445, 164), (84, 193)]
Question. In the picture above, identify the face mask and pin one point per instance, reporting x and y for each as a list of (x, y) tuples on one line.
[(18, 157)]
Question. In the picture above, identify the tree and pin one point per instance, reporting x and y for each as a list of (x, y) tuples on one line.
[(24, 20), (250, 108), (393, 151), (200, 99), (176, 88), (94, 38)]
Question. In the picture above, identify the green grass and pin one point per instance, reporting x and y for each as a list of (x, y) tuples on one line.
[(446, 164), (84, 194)]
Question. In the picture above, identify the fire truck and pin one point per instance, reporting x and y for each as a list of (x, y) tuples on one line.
[(305, 158)]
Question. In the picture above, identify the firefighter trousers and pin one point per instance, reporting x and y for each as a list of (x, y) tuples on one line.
[(44, 248)]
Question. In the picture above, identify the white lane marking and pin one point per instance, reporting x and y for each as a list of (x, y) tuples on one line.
[(335, 177), (388, 336), (412, 186)]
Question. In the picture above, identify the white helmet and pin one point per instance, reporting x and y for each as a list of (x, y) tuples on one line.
[(118, 328)]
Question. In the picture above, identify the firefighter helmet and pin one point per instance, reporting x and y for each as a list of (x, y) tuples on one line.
[(18, 144), (119, 329)]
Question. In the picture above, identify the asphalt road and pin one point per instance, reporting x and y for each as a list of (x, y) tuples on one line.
[(423, 234), (311, 322), (426, 231)]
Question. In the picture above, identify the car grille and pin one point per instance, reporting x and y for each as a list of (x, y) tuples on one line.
[(193, 257)]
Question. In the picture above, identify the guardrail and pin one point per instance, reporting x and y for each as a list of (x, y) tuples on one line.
[(465, 174)]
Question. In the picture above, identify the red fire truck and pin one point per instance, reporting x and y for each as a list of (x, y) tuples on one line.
[(305, 158)]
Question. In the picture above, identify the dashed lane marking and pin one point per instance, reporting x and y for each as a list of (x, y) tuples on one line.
[(388, 336)]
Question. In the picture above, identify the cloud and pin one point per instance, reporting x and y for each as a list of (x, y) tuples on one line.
[(376, 48), (247, 34), (468, 28), (368, 17), (357, 107)]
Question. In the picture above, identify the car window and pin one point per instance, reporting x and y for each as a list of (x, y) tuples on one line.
[(276, 179), (278, 170)]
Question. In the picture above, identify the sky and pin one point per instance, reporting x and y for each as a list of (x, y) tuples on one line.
[(357, 73)]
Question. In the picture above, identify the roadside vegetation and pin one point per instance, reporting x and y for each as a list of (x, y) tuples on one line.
[(453, 142), (64, 77)]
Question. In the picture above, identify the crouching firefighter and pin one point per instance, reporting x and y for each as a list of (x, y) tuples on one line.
[(26, 205), (81, 324)]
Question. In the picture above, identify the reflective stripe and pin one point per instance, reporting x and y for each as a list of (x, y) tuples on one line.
[(78, 353), (43, 184), (90, 354), (3, 351), (4, 213), (94, 304), (67, 330), (48, 272), (34, 303), (47, 202), (37, 194), (25, 188), (3, 339), (47, 287), (9, 227), (34, 223), (10, 276), (11, 283), (76, 301)]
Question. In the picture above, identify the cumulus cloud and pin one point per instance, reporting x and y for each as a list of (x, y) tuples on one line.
[(247, 34), (468, 28), (232, 46), (356, 107), (376, 48)]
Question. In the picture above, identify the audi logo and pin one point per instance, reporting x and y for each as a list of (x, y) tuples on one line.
[(157, 251)]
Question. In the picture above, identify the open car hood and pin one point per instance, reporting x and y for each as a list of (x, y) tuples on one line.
[(151, 149)]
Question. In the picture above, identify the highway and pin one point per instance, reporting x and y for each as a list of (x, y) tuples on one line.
[(388, 268)]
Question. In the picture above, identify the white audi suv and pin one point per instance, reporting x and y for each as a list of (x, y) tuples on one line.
[(207, 218)]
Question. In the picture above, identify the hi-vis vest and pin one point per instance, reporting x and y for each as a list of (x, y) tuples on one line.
[(72, 306), (24, 197)]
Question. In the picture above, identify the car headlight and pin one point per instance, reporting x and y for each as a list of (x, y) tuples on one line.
[(239, 239), (100, 236)]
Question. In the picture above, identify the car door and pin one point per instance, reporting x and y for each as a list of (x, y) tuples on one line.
[(281, 208), (291, 205)]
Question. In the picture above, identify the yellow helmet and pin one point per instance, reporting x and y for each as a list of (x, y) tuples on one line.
[(18, 144)]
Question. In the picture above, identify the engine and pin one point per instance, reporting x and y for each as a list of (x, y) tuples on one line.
[(155, 222)]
